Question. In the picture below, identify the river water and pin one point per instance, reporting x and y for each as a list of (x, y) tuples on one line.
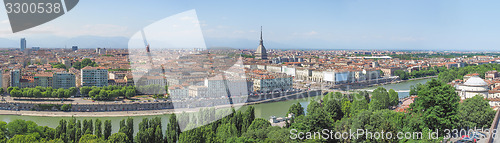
[(402, 88), (264, 110)]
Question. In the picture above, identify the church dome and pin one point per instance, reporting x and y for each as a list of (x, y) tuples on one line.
[(475, 81)]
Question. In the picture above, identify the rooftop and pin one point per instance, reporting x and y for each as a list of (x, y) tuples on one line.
[(475, 81)]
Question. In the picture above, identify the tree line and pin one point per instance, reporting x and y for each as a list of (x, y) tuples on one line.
[(420, 56), (89, 131), (96, 93), (436, 108), (429, 71), (41, 92), (445, 74), (459, 73), (108, 92), (85, 62)]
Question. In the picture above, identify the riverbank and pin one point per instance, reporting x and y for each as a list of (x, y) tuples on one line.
[(403, 87), (170, 111), (106, 114), (163, 111), (152, 112), (400, 81)]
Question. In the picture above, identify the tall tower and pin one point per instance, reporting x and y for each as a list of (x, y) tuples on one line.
[(261, 52), (23, 44)]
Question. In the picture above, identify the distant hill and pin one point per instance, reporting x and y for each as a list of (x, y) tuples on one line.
[(61, 42), (96, 41)]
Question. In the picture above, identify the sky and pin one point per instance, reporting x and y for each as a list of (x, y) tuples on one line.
[(350, 24)]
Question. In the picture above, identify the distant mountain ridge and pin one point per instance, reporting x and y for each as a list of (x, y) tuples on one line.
[(82, 42)]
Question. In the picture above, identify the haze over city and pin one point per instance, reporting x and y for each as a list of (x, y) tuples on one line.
[(378, 25)]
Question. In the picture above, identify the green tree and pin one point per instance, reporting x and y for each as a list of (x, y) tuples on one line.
[(20, 127), (3, 131), (365, 94), (393, 98), (85, 126), (380, 99), (191, 136), (332, 106), (437, 105), (278, 135), (9, 89), (296, 109), (31, 138), (130, 93), (72, 90), (173, 130), (78, 133), (475, 112), (61, 130), (346, 106), (248, 118), (118, 138), (317, 119), (402, 74), (107, 129), (359, 104), (130, 129), (387, 121), (361, 121), (59, 65), (158, 134), (98, 128), (60, 93), (66, 107), (85, 90), (85, 62), (145, 133), (89, 138), (89, 127), (258, 129), (259, 123), (71, 131), (226, 131), (16, 93)]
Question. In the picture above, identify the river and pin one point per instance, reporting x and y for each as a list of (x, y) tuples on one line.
[(264, 110), (402, 88)]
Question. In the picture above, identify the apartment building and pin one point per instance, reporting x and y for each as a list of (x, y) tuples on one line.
[(44, 79), (63, 80), (15, 77), (266, 81), (94, 76)]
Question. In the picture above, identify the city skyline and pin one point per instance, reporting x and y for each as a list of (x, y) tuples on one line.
[(351, 25)]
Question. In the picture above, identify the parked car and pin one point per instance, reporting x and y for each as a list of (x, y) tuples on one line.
[(468, 139), (465, 141), (477, 136)]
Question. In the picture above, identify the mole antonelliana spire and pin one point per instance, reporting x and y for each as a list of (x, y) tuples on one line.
[(261, 52)]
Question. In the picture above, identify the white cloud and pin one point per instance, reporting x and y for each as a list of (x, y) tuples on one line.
[(311, 33), (239, 32)]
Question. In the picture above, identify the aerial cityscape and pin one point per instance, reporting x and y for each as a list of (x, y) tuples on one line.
[(227, 71)]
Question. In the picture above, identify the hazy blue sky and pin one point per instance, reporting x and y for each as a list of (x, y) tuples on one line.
[(367, 24)]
